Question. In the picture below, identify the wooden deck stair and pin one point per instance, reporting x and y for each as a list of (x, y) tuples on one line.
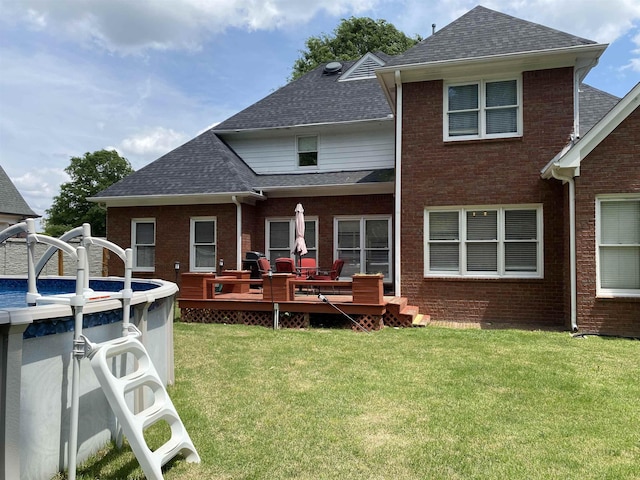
[(406, 315)]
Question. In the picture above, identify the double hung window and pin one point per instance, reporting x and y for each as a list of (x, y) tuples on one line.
[(202, 253), (482, 109), (281, 238), (618, 246), (307, 151), (364, 244), (484, 242), (143, 244)]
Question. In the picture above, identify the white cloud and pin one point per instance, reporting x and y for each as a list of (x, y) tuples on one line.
[(131, 27), (155, 141)]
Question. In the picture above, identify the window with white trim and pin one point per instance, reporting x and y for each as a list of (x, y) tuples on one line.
[(143, 244), (482, 109), (364, 243), (618, 246), (493, 241), (281, 236), (307, 148), (202, 251)]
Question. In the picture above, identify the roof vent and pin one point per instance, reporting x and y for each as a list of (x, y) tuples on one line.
[(332, 68)]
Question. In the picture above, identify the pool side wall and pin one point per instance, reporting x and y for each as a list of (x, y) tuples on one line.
[(35, 382)]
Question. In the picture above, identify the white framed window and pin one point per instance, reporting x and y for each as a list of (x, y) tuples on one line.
[(202, 251), (281, 236), (491, 241), (143, 244), (483, 109), (618, 246), (307, 149), (364, 243)]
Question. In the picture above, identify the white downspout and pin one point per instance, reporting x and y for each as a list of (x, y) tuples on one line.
[(238, 232), (398, 186), (572, 246)]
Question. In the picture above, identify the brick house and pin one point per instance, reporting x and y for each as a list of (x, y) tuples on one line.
[(425, 167)]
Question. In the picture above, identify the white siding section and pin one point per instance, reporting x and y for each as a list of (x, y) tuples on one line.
[(339, 149)]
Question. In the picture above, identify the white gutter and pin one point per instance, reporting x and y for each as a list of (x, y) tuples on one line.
[(572, 246), (238, 232), (398, 188)]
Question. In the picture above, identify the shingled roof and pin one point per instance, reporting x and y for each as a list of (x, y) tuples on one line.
[(315, 98), (482, 32), (11, 202), (203, 165)]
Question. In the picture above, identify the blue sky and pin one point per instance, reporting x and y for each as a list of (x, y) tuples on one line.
[(144, 76)]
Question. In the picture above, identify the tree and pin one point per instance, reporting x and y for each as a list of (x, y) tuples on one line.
[(89, 174), (351, 40)]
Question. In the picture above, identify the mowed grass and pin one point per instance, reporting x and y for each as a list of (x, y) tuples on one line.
[(431, 403)]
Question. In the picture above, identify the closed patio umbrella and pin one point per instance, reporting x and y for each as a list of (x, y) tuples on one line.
[(300, 245)]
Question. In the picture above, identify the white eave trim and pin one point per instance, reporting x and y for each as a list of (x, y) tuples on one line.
[(329, 190), (388, 118), (569, 159), (190, 199)]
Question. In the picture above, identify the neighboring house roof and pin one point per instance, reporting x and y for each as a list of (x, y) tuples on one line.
[(567, 163), (315, 98), (11, 202), (482, 32)]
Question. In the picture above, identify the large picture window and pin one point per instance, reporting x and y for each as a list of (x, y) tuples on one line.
[(281, 235), (364, 243), (618, 246), (484, 242), (143, 244), (482, 109), (202, 254)]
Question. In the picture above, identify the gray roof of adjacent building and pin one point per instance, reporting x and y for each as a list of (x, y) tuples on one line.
[(11, 201)]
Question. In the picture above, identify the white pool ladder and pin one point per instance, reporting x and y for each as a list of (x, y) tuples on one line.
[(161, 408)]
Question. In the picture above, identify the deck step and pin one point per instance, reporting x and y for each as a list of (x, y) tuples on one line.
[(421, 320)]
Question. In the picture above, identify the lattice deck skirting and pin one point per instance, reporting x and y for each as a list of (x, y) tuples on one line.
[(232, 317)]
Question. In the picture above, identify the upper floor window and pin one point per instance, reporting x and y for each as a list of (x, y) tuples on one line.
[(618, 246), (483, 109), (143, 244), (484, 242), (202, 255), (307, 151)]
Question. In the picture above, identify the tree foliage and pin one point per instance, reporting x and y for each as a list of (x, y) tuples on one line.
[(351, 39), (90, 174)]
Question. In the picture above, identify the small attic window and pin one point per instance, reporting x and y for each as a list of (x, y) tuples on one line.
[(332, 68)]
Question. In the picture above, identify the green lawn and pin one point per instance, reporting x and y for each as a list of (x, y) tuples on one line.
[(431, 403)]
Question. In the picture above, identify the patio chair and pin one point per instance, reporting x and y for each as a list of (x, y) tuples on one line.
[(285, 265), (333, 274), (263, 266), (308, 267)]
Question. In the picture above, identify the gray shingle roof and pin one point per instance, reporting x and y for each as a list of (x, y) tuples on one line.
[(483, 32), (594, 104), (328, 178), (11, 202), (312, 99), (203, 165)]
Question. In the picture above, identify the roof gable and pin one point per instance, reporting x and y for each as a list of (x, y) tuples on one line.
[(567, 163), (482, 32), (11, 201), (363, 68)]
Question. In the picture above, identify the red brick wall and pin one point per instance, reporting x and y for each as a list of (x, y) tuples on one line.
[(492, 172), (613, 167), (172, 227)]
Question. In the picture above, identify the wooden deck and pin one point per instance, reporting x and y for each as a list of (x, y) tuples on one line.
[(236, 299)]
